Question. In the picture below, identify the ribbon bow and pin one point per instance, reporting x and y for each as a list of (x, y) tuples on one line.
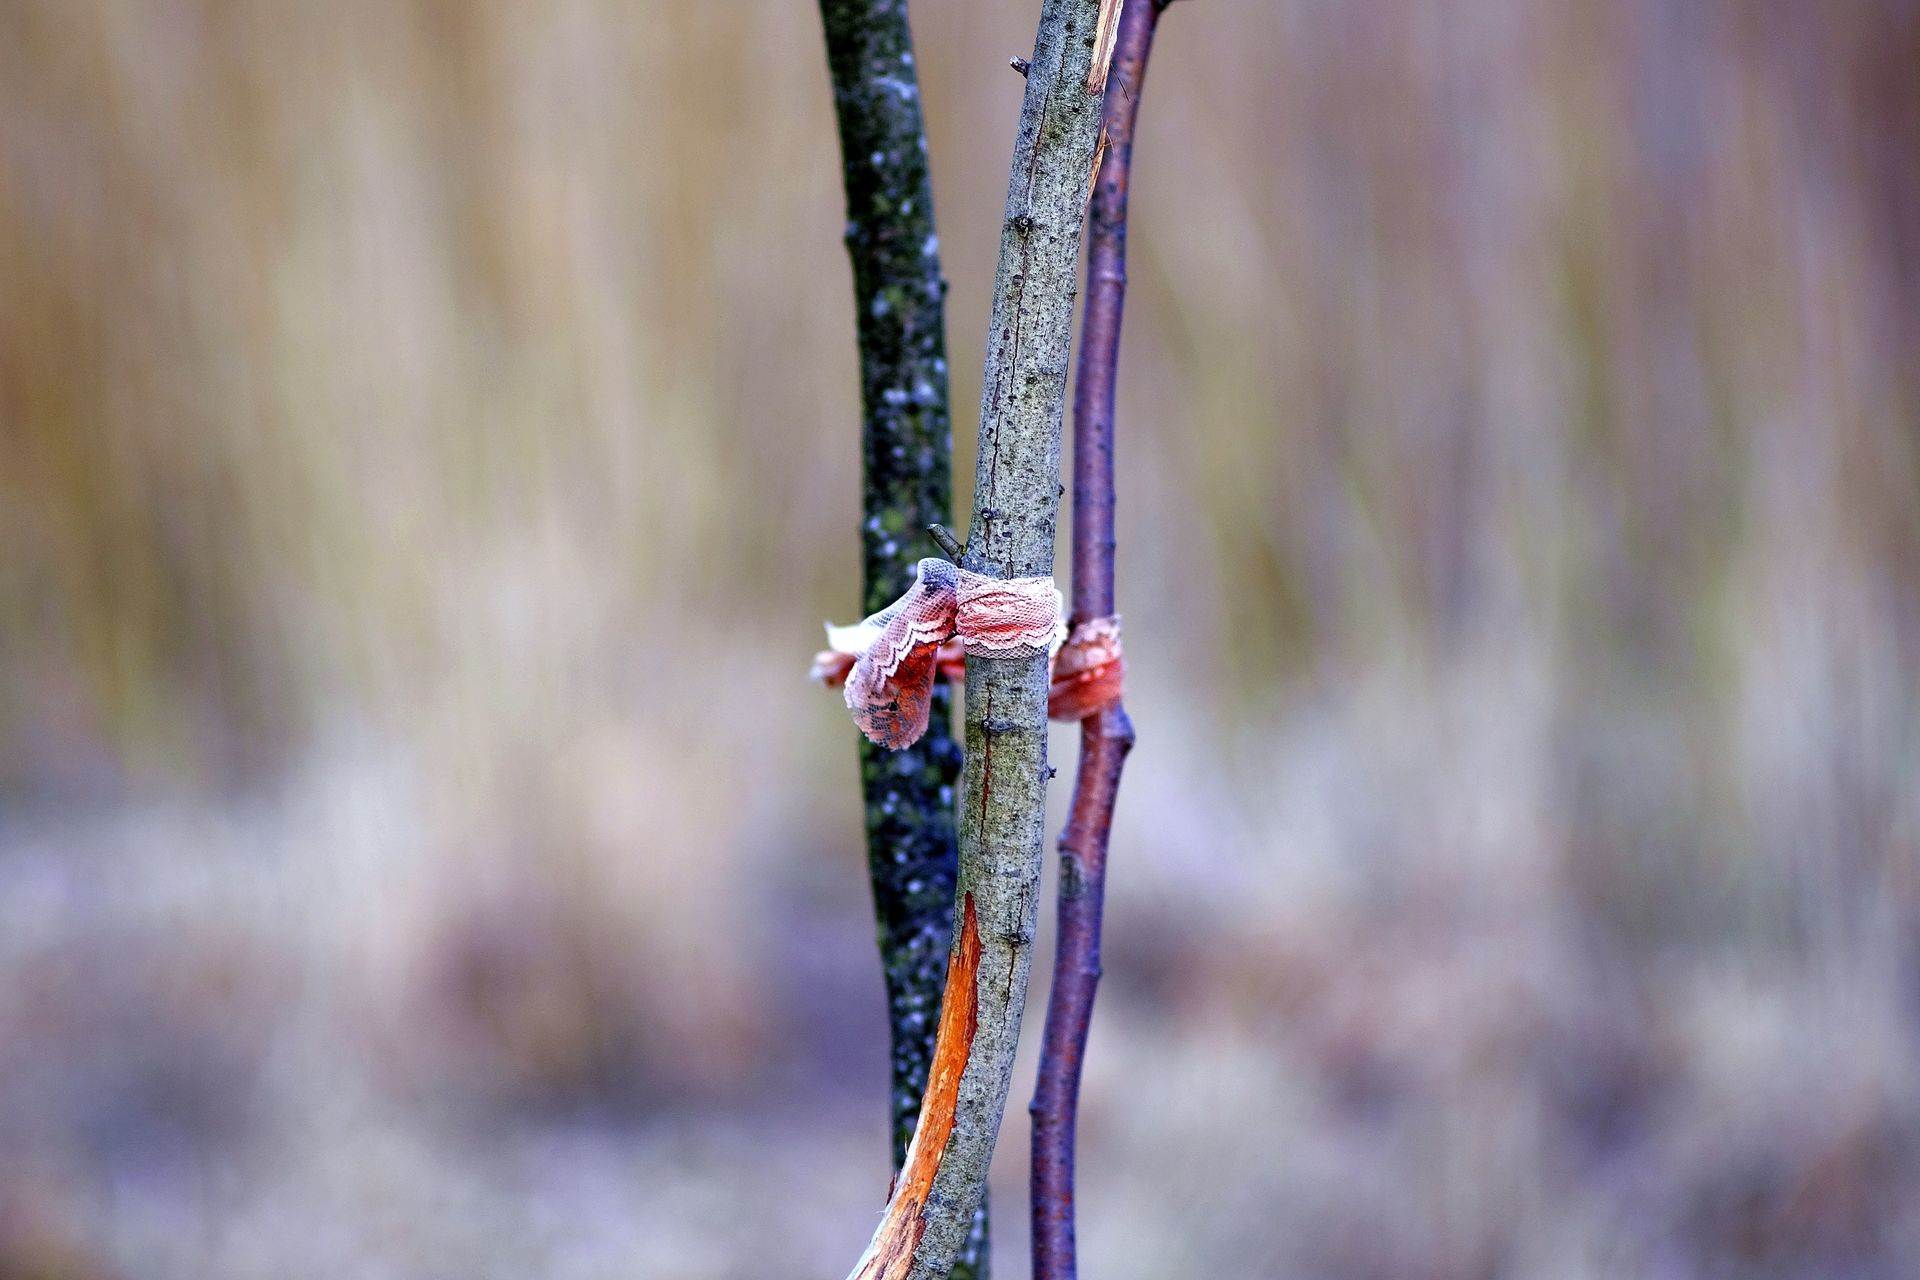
[(889, 660)]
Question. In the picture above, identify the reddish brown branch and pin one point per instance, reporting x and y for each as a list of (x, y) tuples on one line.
[(1106, 736)]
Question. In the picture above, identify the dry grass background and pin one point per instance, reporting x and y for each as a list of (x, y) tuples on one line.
[(426, 456)]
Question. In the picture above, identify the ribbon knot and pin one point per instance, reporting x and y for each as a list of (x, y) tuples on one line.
[(889, 661)]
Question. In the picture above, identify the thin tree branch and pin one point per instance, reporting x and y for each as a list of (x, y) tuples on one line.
[(1016, 507), (1107, 736), (906, 456)]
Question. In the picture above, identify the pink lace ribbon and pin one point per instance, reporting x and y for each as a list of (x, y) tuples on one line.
[(1089, 672), (888, 661)]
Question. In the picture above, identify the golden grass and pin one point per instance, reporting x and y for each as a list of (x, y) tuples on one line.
[(425, 458)]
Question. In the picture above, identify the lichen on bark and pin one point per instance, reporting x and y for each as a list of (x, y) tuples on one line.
[(906, 466)]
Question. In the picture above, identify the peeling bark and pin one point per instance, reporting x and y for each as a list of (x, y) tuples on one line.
[(1016, 509), (905, 1223)]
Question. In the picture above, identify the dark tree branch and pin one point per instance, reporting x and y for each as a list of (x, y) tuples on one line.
[(906, 457), (1107, 735), (1016, 507)]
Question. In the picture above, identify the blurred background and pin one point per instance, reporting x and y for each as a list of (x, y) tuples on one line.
[(427, 454)]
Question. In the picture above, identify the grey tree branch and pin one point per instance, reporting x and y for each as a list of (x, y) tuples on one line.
[(1016, 509), (944, 539), (906, 464)]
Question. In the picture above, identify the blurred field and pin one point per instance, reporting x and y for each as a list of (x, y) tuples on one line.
[(426, 457)]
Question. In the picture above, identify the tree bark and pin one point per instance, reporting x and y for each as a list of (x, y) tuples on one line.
[(1016, 508), (1107, 736), (906, 467)]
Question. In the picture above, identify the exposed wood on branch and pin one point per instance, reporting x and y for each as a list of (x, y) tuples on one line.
[(900, 1232), (1106, 30)]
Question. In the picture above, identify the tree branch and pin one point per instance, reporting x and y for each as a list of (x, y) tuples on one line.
[(1107, 736), (906, 457), (1016, 507)]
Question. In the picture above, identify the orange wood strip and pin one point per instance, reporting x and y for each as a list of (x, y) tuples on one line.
[(890, 1256)]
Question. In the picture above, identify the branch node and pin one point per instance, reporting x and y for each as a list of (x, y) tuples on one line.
[(944, 539), (1021, 65)]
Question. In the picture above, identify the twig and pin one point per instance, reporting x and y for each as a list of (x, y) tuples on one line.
[(944, 539), (1107, 736), (906, 455), (1016, 506)]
